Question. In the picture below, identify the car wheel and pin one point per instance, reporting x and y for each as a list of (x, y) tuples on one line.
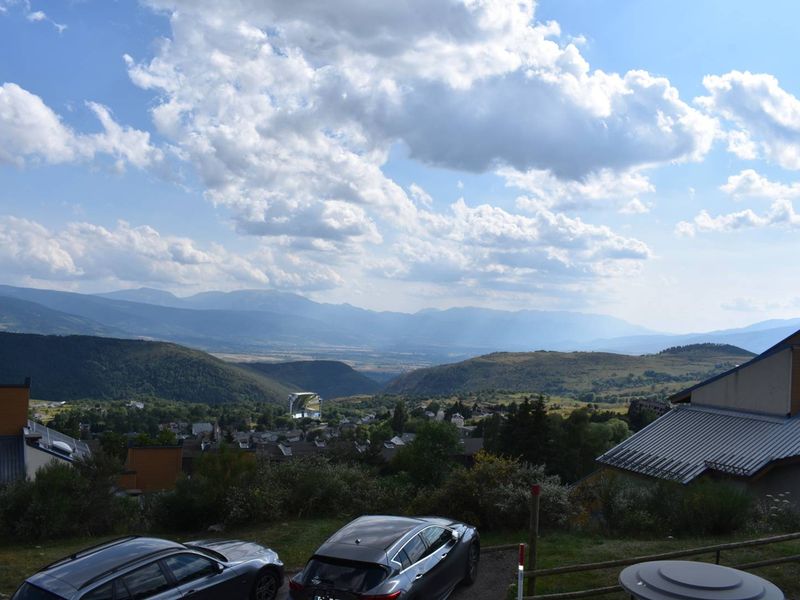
[(472, 564), (266, 586)]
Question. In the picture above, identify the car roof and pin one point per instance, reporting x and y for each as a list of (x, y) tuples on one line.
[(92, 563), (369, 538), (375, 531)]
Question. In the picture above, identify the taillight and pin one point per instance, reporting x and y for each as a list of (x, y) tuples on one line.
[(295, 585), (392, 596)]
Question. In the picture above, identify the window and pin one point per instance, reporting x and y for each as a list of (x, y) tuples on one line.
[(435, 537), (104, 592), (188, 567), (146, 582), (31, 592), (414, 550), (343, 574)]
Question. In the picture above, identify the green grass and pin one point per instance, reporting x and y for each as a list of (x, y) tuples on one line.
[(296, 540), (568, 548)]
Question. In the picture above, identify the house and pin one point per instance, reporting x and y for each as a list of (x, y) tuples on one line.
[(27, 446), (202, 429), (151, 468), (742, 425)]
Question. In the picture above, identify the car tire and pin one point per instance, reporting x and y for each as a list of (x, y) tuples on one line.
[(266, 586), (473, 558)]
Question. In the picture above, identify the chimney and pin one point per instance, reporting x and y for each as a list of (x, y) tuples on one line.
[(14, 407)]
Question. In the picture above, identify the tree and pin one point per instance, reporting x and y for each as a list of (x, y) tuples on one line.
[(429, 458), (399, 417)]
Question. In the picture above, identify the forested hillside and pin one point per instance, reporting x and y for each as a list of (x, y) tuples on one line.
[(75, 367), (575, 374), (328, 378)]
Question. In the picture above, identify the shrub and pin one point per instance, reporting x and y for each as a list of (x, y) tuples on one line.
[(621, 505), (495, 493), (67, 500)]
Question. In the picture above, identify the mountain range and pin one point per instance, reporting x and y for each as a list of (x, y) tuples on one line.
[(287, 326)]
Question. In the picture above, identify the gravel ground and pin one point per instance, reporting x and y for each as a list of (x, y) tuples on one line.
[(496, 571)]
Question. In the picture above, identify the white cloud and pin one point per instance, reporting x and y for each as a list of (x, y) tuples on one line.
[(751, 184), (489, 247), (765, 116), (30, 131), (283, 106), (141, 255), (36, 16), (600, 187), (780, 214)]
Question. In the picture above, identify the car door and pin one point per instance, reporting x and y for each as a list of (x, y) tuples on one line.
[(201, 578), (413, 554), (438, 562)]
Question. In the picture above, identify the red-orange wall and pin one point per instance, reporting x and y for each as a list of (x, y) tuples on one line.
[(13, 409), (155, 468)]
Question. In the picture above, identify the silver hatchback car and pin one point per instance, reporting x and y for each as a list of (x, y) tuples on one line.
[(391, 558)]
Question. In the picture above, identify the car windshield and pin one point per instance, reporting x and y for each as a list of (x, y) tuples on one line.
[(344, 575), (31, 592), (208, 552)]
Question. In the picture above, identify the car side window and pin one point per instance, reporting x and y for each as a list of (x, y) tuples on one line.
[(402, 558), (435, 538), (104, 592), (188, 567), (147, 581), (415, 549)]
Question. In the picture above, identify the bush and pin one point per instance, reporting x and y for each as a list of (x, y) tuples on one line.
[(621, 505), (495, 493), (67, 500)]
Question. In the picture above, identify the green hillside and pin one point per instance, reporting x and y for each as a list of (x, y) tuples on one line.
[(329, 378), (575, 373), (18, 315), (77, 367)]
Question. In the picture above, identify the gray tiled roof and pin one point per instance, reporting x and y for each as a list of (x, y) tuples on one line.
[(12, 458), (691, 439)]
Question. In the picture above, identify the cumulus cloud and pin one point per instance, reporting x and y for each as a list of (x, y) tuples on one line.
[(490, 247), (751, 184), (126, 254), (765, 118), (594, 190), (30, 131), (286, 105), (780, 214)]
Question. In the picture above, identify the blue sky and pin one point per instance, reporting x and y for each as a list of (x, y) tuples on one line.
[(634, 158)]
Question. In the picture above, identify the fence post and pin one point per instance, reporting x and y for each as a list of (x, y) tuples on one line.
[(533, 537), (520, 570)]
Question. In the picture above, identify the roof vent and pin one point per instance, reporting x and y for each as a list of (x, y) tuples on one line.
[(62, 447)]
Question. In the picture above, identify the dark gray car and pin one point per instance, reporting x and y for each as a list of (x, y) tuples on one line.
[(391, 558), (134, 568)]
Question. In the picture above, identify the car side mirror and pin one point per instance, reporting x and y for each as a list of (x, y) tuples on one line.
[(220, 567), (454, 536)]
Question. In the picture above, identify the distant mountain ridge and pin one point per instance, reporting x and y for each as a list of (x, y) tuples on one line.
[(288, 326), (574, 373), (64, 368)]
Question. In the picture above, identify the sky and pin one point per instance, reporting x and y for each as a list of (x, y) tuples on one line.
[(632, 158)]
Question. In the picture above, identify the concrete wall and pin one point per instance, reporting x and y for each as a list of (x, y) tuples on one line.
[(13, 409), (35, 459), (764, 387), (156, 468)]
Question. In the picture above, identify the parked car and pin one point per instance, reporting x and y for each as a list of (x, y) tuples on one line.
[(134, 568), (391, 558)]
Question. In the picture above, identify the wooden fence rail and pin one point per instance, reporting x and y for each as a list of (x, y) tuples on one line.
[(716, 549)]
